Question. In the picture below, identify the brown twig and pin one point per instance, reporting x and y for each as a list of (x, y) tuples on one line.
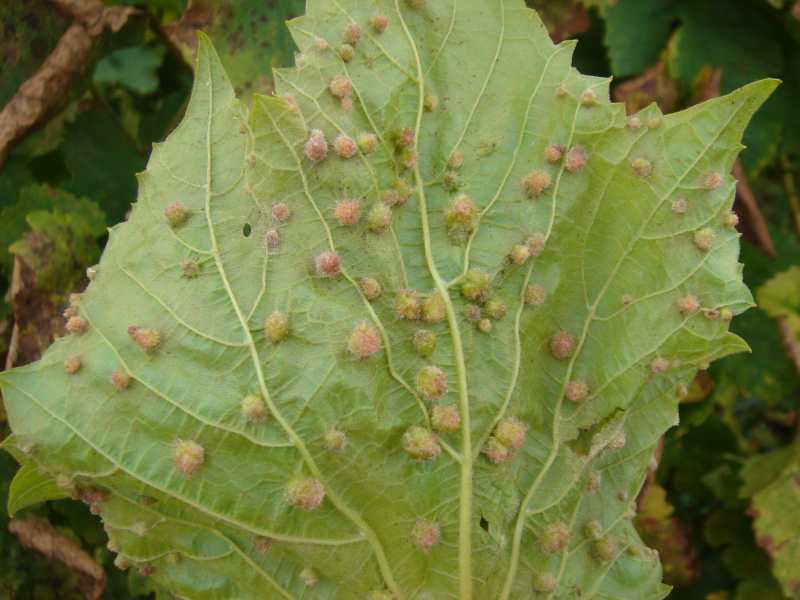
[(39, 535), (789, 340), (790, 188), (754, 219), (47, 88)]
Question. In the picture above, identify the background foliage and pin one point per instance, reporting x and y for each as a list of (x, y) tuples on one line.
[(721, 506)]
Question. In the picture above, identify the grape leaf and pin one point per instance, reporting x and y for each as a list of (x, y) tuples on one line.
[(780, 297), (31, 487), (501, 255), (771, 482)]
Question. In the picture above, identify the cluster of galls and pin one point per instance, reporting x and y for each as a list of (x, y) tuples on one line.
[(506, 440)]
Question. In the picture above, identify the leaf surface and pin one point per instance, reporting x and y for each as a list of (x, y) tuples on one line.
[(501, 508), (31, 487)]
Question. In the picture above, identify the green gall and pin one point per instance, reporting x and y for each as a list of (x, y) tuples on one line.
[(576, 391), (730, 220), (416, 4), (593, 481), (589, 97), (484, 325), (445, 418), (176, 214), (92, 272), (426, 534), (642, 167), (367, 142), (593, 530), (379, 23), (344, 146), (305, 493), (634, 122), (120, 380), (122, 563), (347, 103), (77, 325), (371, 288), (688, 305), (536, 183), (262, 544), (679, 206), (461, 216), (704, 239), (352, 33), (544, 583), (253, 408), (365, 340), (654, 122), (280, 211), (520, 254), (147, 339), (496, 309), (327, 264), (726, 315), (190, 269), (379, 218), (409, 159), (553, 153), (431, 103), (431, 383), (713, 181), (421, 444), (511, 432), (562, 345), (276, 327), (335, 440), (561, 92), (476, 285), (347, 212), (618, 441), (72, 365), (316, 147), (403, 137), (434, 308), (451, 181), (188, 457), (711, 314), (627, 299), (321, 44), (456, 160), (309, 577), (575, 160), (555, 537), (605, 549), (424, 342), (535, 295), (340, 86), (407, 305), (496, 451)]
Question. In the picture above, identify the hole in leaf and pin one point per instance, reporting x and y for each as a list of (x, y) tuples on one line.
[(247, 230), (484, 524)]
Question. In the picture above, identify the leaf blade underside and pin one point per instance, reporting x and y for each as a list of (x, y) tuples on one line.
[(616, 260)]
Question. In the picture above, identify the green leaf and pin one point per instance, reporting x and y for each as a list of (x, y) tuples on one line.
[(637, 32), (780, 297), (771, 482), (249, 35), (37, 198), (135, 68), (234, 368), (31, 487)]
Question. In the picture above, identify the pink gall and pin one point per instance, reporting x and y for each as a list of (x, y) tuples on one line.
[(345, 147), (445, 418), (72, 365), (335, 440), (511, 432), (120, 380), (545, 583), (589, 97), (77, 325), (536, 183), (379, 23), (520, 254), (190, 269), (553, 153), (426, 534), (562, 345), (713, 181), (679, 206), (371, 288), (456, 160), (176, 214), (642, 167), (327, 264), (316, 147), (576, 391), (576, 159), (461, 216), (352, 33), (340, 86), (730, 220), (555, 537), (535, 295), (497, 452), (347, 212), (704, 239), (280, 211), (659, 365), (688, 305), (536, 243), (364, 341), (272, 239), (253, 408)]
